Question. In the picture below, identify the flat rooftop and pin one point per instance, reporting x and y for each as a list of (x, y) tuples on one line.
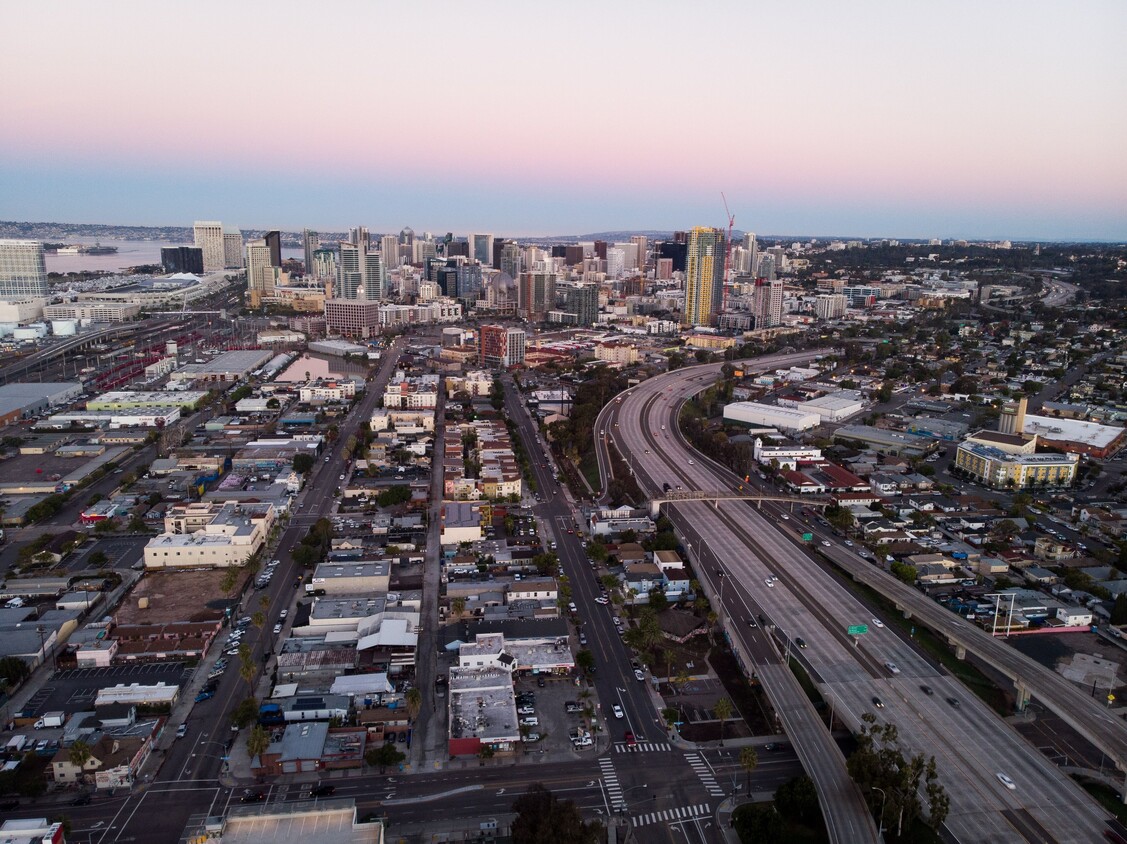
[(1072, 430)]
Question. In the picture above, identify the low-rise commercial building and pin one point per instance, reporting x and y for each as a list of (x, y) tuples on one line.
[(768, 415)]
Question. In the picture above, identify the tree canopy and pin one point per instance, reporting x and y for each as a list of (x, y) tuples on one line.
[(544, 819)]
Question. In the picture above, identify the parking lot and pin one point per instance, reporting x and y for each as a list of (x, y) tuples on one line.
[(554, 722), (74, 689), (122, 553)]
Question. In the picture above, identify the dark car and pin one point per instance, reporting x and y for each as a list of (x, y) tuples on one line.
[(540, 682), (800, 641), (926, 690), (81, 800), (954, 701), (202, 696), (253, 797), (322, 791), (878, 703), (402, 736)]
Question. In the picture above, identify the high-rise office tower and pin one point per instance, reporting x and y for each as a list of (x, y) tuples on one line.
[(616, 262), (765, 266), (232, 248), (747, 264), (481, 248), (511, 260), (182, 259), (676, 251), (767, 303), (643, 244), (375, 277), (359, 236), (499, 244), (573, 255), (704, 276), (23, 271), (780, 255), (407, 238), (259, 280), (350, 272), (311, 242), (468, 284), (209, 238), (537, 295), (424, 248), (274, 242), (583, 301), (389, 249), (601, 249)]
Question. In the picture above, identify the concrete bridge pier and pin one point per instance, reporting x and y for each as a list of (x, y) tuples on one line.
[(1022, 695)]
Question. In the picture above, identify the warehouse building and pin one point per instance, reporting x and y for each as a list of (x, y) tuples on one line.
[(767, 415)]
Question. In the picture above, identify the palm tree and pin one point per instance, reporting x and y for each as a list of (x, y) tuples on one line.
[(257, 741), (79, 755), (414, 702), (749, 760), (723, 711), (457, 607)]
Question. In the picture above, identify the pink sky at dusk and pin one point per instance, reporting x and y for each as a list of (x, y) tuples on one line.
[(1011, 111)]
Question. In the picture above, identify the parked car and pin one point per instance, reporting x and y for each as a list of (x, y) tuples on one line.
[(202, 696), (277, 628), (530, 721), (639, 675)]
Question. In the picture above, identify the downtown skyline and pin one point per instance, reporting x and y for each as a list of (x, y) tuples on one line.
[(868, 121)]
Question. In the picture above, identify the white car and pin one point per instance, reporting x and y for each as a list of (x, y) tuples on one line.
[(530, 721), (769, 581), (825, 543), (283, 613), (1006, 781), (617, 710), (277, 628), (639, 674), (601, 600), (892, 667), (878, 623)]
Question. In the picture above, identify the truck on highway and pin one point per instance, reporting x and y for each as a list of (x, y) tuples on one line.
[(50, 719)]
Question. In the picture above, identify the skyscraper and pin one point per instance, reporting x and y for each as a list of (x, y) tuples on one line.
[(350, 271), (704, 276), (643, 244), (359, 236), (767, 303), (209, 238), (324, 264), (389, 248), (260, 278), (481, 248), (274, 243), (182, 259), (375, 277), (23, 272), (748, 258), (537, 295), (312, 242), (232, 248), (583, 301), (511, 259)]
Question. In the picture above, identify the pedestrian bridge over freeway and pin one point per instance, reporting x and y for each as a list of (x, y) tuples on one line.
[(673, 496)]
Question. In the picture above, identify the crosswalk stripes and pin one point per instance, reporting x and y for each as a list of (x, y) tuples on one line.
[(610, 780), (643, 747), (704, 773), (683, 813)]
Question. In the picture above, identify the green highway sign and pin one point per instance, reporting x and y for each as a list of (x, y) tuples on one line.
[(807, 537), (857, 629)]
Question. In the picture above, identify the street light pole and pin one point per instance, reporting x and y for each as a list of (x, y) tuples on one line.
[(883, 797)]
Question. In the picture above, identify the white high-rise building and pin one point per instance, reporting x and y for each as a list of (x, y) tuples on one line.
[(642, 244), (616, 262), (375, 277), (312, 242), (350, 272), (258, 259), (23, 272), (748, 256), (209, 238), (767, 303), (829, 306)]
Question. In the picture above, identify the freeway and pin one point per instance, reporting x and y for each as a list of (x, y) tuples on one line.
[(748, 547)]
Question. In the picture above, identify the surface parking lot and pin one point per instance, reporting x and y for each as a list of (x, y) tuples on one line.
[(555, 722), (74, 689)]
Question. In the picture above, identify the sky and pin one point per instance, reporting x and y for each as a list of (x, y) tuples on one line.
[(875, 118)]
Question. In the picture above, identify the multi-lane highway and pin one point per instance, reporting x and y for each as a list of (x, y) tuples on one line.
[(970, 743)]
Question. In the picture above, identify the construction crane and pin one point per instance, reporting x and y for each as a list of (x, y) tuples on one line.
[(727, 254)]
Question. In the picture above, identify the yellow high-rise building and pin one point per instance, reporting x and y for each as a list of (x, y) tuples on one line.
[(704, 276)]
